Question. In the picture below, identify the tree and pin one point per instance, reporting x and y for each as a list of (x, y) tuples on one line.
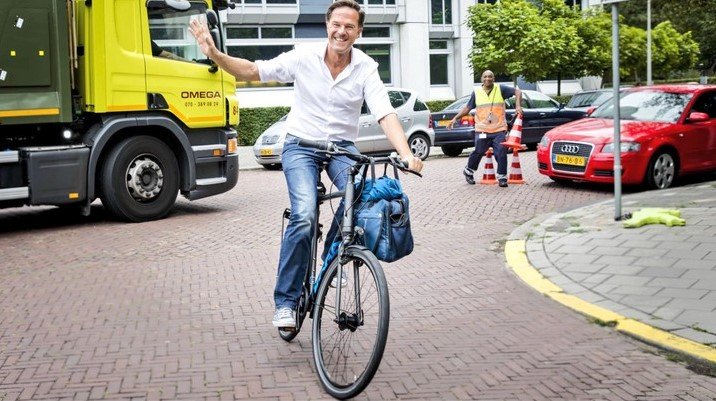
[(514, 37), (538, 39), (672, 50), (695, 16)]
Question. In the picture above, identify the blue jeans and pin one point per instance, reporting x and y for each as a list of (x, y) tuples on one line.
[(481, 146), (301, 167)]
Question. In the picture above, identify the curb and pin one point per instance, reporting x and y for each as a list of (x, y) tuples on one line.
[(516, 255)]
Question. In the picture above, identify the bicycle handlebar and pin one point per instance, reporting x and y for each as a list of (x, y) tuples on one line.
[(333, 149)]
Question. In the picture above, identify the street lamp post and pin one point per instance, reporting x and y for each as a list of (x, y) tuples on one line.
[(649, 81), (617, 118)]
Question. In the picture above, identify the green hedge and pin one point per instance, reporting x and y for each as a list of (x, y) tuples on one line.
[(254, 121), (437, 105)]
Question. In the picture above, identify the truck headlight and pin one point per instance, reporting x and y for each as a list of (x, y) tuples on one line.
[(625, 147)]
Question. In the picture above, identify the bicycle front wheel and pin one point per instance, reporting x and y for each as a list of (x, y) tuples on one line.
[(348, 345)]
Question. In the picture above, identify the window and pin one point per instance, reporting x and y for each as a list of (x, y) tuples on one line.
[(259, 43), (439, 60), (376, 32), (242, 33), (396, 98), (263, 32), (381, 54), (376, 2), (441, 12), (419, 105), (265, 1), (169, 36), (540, 100), (706, 103), (241, 41)]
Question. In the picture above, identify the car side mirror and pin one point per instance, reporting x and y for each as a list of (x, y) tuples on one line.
[(590, 111), (697, 117)]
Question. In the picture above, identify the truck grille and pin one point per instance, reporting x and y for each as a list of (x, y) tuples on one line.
[(579, 149)]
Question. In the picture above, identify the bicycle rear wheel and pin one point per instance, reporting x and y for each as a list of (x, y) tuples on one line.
[(347, 351)]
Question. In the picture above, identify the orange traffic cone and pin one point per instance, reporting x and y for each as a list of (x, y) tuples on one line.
[(488, 177), (514, 140), (515, 176)]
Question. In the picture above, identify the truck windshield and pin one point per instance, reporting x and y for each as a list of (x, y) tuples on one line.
[(170, 36)]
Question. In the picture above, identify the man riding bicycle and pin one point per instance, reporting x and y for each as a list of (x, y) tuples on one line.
[(331, 81)]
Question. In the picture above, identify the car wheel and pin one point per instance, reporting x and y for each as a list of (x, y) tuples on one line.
[(276, 166), (452, 150), (419, 146), (662, 170)]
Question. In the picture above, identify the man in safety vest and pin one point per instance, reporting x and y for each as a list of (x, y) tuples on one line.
[(488, 101)]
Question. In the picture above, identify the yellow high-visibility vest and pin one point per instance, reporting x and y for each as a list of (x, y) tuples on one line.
[(490, 110)]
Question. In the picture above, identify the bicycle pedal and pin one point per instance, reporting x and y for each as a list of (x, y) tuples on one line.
[(288, 329)]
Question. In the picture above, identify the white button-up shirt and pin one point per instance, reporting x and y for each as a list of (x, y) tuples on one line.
[(324, 108)]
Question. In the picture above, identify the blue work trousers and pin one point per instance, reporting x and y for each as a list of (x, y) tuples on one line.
[(481, 146)]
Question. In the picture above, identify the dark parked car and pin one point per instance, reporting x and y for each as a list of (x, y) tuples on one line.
[(541, 113)]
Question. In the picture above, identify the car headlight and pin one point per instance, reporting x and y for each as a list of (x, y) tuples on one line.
[(625, 147), (544, 141)]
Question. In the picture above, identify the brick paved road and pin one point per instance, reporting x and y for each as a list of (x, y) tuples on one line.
[(180, 309)]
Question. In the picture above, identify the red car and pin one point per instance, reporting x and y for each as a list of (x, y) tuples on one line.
[(666, 131)]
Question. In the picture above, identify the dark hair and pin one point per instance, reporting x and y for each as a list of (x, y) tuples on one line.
[(350, 4)]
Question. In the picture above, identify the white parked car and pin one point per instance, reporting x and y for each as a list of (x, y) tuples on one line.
[(412, 113)]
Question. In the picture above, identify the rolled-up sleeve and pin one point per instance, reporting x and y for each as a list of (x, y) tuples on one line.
[(376, 96), (281, 68)]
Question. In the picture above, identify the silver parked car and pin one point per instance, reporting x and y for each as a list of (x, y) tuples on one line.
[(413, 113)]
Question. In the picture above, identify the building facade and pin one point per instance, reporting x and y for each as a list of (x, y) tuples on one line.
[(422, 45)]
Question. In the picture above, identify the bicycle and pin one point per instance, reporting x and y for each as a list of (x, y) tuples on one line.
[(350, 328)]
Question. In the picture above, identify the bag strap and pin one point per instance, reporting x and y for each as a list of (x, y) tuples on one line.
[(395, 171)]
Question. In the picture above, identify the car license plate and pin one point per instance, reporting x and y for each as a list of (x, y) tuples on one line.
[(266, 152), (443, 123), (570, 160)]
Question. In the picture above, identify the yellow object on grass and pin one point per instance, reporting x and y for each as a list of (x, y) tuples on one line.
[(655, 215)]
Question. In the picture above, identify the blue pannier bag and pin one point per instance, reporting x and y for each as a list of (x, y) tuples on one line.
[(383, 214)]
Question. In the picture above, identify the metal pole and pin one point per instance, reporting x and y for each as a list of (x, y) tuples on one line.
[(649, 81), (617, 117)]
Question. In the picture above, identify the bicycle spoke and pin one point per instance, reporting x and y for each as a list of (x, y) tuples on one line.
[(347, 345)]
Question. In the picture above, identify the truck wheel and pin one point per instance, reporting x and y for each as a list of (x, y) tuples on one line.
[(139, 179)]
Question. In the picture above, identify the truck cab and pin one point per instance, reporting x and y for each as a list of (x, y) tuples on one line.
[(113, 100)]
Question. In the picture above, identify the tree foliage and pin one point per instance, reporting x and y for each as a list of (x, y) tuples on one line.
[(545, 38), (695, 16)]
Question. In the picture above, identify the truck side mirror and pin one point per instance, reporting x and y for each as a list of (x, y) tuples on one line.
[(178, 5), (212, 21)]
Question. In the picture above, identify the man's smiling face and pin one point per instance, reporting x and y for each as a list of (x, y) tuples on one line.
[(343, 29)]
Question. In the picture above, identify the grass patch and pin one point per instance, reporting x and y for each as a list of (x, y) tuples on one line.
[(695, 365), (600, 322)]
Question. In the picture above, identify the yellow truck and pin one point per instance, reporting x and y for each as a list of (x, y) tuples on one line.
[(112, 99)]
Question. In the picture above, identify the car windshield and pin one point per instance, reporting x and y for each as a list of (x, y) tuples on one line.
[(588, 99), (646, 106)]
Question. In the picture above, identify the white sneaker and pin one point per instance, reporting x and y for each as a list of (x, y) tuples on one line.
[(344, 280), (284, 317)]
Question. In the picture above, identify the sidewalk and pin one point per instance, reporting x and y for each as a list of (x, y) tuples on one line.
[(656, 283)]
